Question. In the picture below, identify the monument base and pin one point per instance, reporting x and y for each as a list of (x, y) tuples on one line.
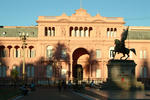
[(121, 76)]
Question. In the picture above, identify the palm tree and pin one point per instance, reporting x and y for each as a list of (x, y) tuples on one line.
[(91, 63), (60, 55)]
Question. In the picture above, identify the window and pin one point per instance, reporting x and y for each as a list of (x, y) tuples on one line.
[(143, 54), (80, 31), (110, 52), (86, 33), (49, 71), (2, 51), (63, 53), (31, 52), (108, 32), (9, 50), (17, 69), (30, 71), (143, 72), (49, 31), (49, 51), (111, 32), (71, 32), (115, 32), (16, 52), (98, 53), (2, 71), (98, 73), (77, 33), (45, 31), (63, 73)]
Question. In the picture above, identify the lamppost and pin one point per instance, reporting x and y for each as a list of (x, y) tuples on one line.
[(23, 37)]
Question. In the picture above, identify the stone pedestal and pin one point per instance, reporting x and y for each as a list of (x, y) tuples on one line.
[(121, 75), (121, 70)]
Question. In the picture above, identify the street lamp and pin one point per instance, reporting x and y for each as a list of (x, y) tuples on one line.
[(23, 37)]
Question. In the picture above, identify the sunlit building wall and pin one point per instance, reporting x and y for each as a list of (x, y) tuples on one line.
[(58, 43)]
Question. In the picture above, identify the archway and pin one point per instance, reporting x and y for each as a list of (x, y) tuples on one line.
[(76, 63)]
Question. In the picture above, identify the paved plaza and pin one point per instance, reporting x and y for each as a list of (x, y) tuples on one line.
[(89, 94), (53, 94), (120, 95)]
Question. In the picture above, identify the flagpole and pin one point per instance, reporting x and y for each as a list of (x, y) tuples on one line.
[(80, 3)]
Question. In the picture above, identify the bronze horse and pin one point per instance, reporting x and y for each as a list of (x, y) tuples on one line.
[(120, 49), (120, 46)]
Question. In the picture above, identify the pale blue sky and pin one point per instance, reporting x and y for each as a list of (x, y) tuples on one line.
[(26, 12)]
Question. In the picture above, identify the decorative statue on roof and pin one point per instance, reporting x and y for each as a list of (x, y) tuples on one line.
[(120, 46)]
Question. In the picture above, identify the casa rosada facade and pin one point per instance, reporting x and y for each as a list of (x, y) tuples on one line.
[(58, 44)]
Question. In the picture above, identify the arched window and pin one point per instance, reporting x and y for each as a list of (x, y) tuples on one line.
[(115, 32), (81, 32), (53, 31), (108, 32), (49, 31), (112, 32), (3, 71), (110, 52), (31, 52), (17, 52), (30, 71), (86, 34), (76, 31), (90, 29), (49, 71), (49, 51), (71, 34), (9, 50)]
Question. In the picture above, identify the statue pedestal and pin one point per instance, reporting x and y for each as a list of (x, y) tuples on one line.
[(121, 75)]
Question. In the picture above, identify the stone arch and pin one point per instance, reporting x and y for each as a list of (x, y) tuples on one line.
[(75, 56), (78, 52)]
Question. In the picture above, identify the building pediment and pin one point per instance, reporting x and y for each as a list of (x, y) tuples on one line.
[(63, 20), (81, 12)]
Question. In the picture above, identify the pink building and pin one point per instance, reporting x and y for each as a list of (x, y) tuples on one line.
[(59, 43)]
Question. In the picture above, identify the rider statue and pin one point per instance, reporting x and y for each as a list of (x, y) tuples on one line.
[(120, 45)]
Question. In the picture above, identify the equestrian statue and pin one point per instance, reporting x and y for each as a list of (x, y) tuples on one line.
[(120, 46)]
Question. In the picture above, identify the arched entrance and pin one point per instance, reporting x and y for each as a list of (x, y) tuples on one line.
[(79, 58)]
